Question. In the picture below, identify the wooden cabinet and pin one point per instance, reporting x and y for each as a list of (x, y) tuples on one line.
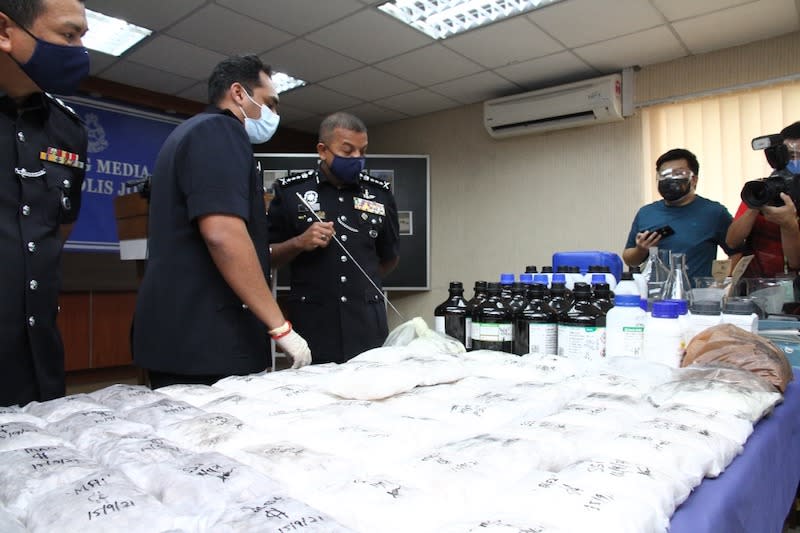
[(73, 322), (95, 327)]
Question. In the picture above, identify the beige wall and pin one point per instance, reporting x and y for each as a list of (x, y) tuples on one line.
[(499, 205)]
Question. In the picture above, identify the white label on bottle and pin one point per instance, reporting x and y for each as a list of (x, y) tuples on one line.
[(632, 338), (542, 338), (491, 332), (577, 341), (468, 332), (438, 325)]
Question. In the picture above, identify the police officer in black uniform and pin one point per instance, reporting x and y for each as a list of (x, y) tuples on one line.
[(331, 303), (204, 307), (43, 154)]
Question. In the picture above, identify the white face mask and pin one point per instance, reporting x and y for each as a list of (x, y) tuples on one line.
[(260, 130)]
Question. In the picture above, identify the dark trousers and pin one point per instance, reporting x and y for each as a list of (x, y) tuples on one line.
[(163, 379)]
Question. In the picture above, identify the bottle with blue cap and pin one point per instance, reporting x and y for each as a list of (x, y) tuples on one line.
[(625, 327), (663, 338), (548, 271), (560, 296), (543, 280), (683, 318), (602, 296), (506, 284)]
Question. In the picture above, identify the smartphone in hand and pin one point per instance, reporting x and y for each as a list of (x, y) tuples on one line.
[(664, 231)]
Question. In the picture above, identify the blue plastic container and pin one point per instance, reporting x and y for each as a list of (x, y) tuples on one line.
[(583, 260)]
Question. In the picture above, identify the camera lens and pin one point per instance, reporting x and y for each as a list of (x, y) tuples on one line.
[(758, 193), (754, 194)]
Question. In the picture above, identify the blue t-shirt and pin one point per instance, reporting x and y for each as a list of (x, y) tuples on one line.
[(699, 227)]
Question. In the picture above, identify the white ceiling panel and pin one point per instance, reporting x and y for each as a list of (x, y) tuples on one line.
[(316, 99), (197, 92), (649, 46), (152, 14), (550, 70), (368, 84), (429, 65), (309, 61), (475, 88), (580, 22), (682, 9), (743, 24), (418, 102), (295, 16), (99, 61), (370, 36), (173, 55), (148, 78), (355, 56), (503, 43), (373, 114), (227, 32)]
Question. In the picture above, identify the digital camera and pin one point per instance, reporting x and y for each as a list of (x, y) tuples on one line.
[(767, 191)]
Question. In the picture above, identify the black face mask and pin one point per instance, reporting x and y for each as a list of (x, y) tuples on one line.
[(673, 190)]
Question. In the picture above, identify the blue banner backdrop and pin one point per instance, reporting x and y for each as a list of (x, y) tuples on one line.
[(123, 145)]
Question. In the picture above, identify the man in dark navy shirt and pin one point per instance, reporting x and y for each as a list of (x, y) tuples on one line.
[(42, 161), (332, 304), (205, 307)]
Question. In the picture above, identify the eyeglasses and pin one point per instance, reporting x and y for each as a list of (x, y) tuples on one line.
[(674, 174)]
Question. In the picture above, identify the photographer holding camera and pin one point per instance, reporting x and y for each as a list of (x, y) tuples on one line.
[(766, 224)]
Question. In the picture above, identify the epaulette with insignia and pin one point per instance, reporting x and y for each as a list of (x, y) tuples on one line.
[(63, 106), (297, 178), (383, 184)]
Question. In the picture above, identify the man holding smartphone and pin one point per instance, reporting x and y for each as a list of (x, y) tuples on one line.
[(683, 221)]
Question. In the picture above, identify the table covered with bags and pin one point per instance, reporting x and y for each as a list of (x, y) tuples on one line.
[(416, 436)]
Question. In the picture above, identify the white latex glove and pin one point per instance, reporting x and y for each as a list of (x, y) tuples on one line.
[(295, 347)]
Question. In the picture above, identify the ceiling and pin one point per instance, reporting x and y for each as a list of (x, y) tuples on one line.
[(359, 59)]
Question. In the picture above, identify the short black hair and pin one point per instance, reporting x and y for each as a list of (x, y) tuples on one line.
[(792, 131), (242, 69), (23, 12), (342, 120), (679, 153)]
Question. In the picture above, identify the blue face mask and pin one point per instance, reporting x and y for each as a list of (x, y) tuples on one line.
[(260, 130), (347, 169), (793, 166), (56, 68)]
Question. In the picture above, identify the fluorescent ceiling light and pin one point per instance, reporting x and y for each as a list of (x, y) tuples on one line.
[(444, 18), (284, 82), (111, 35)]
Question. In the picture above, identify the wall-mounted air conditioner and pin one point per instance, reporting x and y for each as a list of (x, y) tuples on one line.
[(576, 104)]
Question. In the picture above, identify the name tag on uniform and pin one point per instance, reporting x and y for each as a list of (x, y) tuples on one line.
[(369, 206), (62, 157)]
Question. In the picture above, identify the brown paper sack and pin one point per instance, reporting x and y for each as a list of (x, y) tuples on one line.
[(734, 346)]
